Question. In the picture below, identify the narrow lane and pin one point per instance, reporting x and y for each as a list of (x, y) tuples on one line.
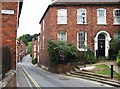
[(22, 79), (47, 79)]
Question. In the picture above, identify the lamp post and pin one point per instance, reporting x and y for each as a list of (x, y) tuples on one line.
[(83, 17)]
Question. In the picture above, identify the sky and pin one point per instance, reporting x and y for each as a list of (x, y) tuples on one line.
[(32, 11)]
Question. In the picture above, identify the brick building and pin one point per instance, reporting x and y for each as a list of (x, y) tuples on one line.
[(21, 50), (35, 47), (85, 23), (9, 13)]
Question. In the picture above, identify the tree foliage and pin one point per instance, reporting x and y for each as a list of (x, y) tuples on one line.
[(118, 58), (27, 38), (29, 48)]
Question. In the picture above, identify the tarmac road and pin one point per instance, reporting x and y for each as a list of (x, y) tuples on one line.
[(41, 78)]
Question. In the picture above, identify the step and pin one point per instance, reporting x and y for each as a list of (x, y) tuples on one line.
[(93, 79)]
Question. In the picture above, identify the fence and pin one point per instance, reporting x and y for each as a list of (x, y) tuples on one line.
[(6, 60)]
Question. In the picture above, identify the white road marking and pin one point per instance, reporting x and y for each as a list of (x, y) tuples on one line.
[(27, 80), (35, 83)]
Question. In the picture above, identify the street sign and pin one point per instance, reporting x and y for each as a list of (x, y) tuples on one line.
[(7, 12)]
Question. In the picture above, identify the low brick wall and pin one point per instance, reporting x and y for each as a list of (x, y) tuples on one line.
[(61, 68)]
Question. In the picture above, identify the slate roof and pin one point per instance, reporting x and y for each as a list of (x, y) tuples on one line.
[(87, 0), (66, 2)]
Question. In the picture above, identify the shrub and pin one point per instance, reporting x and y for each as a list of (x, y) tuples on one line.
[(34, 61), (114, 48), (90, 58), (61, 52), (86, 57), (118, 58)]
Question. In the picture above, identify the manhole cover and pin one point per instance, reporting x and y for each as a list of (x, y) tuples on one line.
[(64, 78)]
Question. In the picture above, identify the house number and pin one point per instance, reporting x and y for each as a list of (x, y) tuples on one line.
[(9, 12)]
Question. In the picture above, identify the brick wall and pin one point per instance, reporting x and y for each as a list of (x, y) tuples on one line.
[(9, 28), (35, 48), (51, 27)]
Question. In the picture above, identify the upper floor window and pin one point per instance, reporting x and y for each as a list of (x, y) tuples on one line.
[(101, 16), (80, 17), (62, 36), (82, 40), (116, 15), (62, 16)]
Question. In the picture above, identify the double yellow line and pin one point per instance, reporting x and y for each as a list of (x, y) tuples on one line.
[(31, 78)]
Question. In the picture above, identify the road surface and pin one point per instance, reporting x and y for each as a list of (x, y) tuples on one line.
[(29, 75)]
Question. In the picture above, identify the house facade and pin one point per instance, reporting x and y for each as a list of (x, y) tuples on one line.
[(21, 50), (36, 47), (8, 27), (85, 24)]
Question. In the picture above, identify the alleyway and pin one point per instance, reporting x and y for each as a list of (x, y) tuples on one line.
[(29, 75)]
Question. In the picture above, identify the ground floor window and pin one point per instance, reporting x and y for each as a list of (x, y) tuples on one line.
[(82, 40), (62, 36)]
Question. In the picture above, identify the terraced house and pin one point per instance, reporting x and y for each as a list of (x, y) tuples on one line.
[(85, 23)]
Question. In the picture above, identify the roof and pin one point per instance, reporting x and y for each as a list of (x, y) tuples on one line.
[(66, 2), (80, 2), (87, 0)]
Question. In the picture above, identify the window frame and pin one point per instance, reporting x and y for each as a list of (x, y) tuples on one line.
[(82, 49), (104, 23), (81, 16), (114, 16), (59, 35), (59, 16)]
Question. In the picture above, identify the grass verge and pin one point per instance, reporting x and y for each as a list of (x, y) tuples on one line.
[(105, 70)]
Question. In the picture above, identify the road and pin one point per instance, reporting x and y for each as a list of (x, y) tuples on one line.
[(29, 75)]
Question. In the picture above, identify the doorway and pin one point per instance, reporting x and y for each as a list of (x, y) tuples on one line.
[(101, 45)]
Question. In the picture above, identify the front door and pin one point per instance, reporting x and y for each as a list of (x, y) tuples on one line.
[(101, 45)]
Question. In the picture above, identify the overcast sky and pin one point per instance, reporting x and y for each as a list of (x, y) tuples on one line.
[(31, 14)]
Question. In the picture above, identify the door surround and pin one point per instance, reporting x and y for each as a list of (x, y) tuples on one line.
[(107, 41)]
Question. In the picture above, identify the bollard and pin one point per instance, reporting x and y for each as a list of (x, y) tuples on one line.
[(112, 71)]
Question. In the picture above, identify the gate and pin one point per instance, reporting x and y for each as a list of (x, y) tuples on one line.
[(6, 60)]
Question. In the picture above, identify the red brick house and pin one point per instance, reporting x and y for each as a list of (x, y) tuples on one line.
[(85, 23), (9, 13), (21, 50), (35, 47)]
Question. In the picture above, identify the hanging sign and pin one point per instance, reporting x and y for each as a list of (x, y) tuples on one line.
[(7, 12)]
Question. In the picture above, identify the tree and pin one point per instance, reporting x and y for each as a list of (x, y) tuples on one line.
[(27, 38), (29, 48)]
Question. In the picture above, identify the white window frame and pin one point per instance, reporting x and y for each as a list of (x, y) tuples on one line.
[(43, 25), (43, 42), (115, 23), (78, 15), (104, 23), (59, 16), (59, 36), (35, 47), (84, 48)]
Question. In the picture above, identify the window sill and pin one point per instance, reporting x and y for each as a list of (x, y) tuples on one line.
[(116, 23), (81, 49), (61, 23), (81, 23), (101, 23)]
